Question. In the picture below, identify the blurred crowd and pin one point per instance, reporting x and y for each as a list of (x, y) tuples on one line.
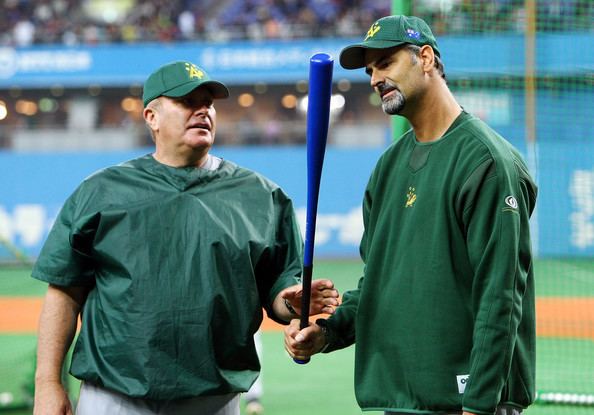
[(72, 22), (94, 22)]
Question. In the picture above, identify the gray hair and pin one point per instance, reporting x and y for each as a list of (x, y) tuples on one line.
[(416, 50)]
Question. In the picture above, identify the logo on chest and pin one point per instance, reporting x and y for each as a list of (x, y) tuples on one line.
[(411, 197)]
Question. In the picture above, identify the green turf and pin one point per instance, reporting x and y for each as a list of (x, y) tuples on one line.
[(554, 277), (17, 360), (565, 365), (327, 381), (325, 385), (16, 281), (564, 277)]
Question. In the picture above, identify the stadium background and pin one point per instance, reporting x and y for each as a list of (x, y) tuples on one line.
[(69, 105)]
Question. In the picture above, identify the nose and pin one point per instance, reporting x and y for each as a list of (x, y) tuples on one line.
[(375, 79), (201, 109)]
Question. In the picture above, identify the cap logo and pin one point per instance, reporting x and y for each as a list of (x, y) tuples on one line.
[(413, 34), (372, 30), (193, 71)]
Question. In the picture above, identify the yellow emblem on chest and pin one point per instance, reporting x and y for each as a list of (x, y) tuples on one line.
[(411, 197)]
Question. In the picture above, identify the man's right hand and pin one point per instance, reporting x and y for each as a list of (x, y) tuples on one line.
[(51, 399), (302, 344)]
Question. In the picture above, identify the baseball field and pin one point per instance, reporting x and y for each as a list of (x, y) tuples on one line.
[(565, 354)]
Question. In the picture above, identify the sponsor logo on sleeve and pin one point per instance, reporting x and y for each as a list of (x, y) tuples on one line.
[(462, 380), (511, 204)]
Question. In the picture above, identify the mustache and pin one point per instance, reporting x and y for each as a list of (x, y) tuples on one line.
[(386, 87)]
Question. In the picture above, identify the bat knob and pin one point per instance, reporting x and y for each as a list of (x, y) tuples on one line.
[(301, 361)]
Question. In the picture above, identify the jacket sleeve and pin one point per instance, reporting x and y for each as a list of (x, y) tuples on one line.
[(342, 324), (280, 266), (65, 258), (499, 201)]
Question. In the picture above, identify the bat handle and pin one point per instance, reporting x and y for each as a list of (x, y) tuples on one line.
[(305, 300)]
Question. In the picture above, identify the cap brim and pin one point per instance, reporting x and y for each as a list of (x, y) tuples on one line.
[(353, 57), (216, 88)]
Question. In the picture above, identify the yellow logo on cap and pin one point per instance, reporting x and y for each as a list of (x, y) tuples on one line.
[(372, 30), (193, 71)]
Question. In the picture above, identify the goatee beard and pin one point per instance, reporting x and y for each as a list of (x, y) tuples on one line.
[(393, 104)]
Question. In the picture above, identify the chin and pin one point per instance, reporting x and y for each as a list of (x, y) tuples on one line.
[(200, 140)]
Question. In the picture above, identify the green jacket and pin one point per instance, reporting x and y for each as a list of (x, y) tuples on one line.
[(182, 261), (443, 316)]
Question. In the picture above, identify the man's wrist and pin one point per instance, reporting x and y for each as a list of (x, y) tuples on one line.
[(290, 307), (326, 333)]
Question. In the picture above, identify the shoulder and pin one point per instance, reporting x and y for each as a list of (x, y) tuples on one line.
[(253, 182), (249, 176), (483, 143), (476, 132), (102, 184), (497, 156), (124, 168)]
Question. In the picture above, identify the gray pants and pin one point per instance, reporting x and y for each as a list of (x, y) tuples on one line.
[(501, 410), (95, 400)]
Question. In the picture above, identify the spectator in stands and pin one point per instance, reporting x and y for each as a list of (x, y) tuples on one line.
[(443, 317), (67, 21), (168, 259)]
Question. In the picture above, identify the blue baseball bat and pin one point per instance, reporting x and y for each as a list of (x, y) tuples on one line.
[(318, 117)]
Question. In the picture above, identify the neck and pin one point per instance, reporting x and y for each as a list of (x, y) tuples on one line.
[(192, 159), (436, 113)]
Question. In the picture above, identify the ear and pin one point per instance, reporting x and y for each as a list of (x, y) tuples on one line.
[(151, 117), (427, 56)]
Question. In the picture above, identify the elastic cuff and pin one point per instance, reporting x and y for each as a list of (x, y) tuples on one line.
[(327, 334)]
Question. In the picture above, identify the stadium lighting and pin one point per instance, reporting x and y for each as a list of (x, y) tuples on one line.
[(130, 104), (3, 110), (57, 90), (301, 86), (245, 100), (48, 105), (260, 88), (337, 102), (343, 85), (26, 107), (289, 101), (375, 100), (94, 90)]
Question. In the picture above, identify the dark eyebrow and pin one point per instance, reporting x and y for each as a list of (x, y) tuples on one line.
[(191, 100), (382, 60)]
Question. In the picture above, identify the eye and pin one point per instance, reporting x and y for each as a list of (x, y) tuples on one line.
[(192, 102), (185, 101), (384, 63)]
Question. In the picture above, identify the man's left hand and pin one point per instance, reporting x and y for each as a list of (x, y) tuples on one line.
[(324, 297)]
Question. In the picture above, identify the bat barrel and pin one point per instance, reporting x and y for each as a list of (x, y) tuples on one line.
[(318, 118)]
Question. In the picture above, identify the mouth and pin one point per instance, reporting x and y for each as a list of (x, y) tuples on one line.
[(200, 126), (386, 91)]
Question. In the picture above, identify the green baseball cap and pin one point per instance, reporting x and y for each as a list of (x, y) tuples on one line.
[(177, 79), (388, 32)]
